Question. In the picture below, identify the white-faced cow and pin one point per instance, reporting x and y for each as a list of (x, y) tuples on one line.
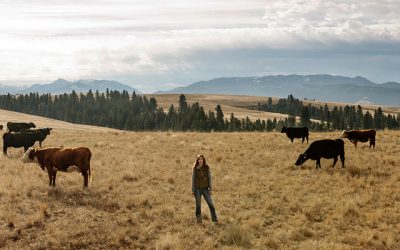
[(360, 136), (61, 159), (327, 149), (296, 133), (19, 126)]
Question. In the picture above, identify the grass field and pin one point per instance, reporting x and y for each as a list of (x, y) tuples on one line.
[(238, 104), (140, 196)]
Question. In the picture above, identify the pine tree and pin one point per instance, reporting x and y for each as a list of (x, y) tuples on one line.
[(219, 118), (305, 117)]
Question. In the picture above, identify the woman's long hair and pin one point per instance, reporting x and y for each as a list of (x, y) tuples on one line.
[(196, 163)]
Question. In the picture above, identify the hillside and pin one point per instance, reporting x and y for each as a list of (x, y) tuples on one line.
[(238, 104), (322, 87), (140, 196), (41, 122)]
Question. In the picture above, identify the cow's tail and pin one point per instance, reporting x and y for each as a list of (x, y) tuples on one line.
[(88, 167)]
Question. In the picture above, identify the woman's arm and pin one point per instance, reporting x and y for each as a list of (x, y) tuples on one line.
[(209, 179), (193, 176)]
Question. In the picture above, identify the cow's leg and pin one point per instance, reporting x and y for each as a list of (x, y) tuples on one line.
[(4, 149), (342, 159), (291, 139), (54, 177), (302, 140), (355, 143), (50, 173), (372, 143), (318, 163), (334, 161), (40, 143), (85, 178), (307, 139)]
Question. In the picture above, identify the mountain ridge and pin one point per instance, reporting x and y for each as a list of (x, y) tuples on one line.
[(61, 86), (322, 87)]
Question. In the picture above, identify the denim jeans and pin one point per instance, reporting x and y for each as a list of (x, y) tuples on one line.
[(198, 192)]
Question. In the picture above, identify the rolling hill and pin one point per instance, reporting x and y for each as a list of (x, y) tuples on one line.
[(262, 200)]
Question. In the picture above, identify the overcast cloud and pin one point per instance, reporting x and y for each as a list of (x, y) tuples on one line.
[(155, 45)]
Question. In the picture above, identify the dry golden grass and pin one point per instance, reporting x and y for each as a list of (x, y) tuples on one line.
[(229, 103), (237, 104), (140, 195)]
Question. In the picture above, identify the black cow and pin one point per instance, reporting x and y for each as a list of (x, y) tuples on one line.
[(323, 149), (23, 139), (19, 126), (296, 133), (40, 134)]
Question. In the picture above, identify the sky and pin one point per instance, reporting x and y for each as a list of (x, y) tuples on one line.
[(159, 45)]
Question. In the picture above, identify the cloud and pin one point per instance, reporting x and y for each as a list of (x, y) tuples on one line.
[(91, 39)]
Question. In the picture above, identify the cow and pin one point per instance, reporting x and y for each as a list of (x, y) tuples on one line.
[(360, 136), (1, 127), (296, 133), (24, 139), (19, 126), (55, 159), (323, 149), (41, 134)]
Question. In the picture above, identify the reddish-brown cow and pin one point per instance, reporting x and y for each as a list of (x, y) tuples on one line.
[(61, 159), (360, 136)]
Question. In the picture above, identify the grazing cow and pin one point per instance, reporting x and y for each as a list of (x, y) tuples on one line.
[(360, 136), (296, 133), (323, 149), (61, 159), (40, 134), (1, 127), (17, 140), (19, 126), (24, 139)]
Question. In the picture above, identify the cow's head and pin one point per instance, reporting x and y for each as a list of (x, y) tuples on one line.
[(47, 131), (30, 156), (344, 134), (283, 130), (302, 158), (32, 125)]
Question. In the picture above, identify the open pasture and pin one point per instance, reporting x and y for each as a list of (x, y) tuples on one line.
[(140, 196)]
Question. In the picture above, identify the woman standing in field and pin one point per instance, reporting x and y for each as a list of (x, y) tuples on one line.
[(201, 186)]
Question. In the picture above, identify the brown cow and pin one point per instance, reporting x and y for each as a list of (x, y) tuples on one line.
[(360, 136), (61, 159)]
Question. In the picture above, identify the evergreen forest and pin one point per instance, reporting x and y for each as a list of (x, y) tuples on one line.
[(121, 110)]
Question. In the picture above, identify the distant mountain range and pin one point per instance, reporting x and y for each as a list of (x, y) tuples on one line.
[(61, 86), (321, 87)]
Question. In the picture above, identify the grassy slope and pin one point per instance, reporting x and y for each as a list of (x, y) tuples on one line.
[(140, 196), (235, 104)]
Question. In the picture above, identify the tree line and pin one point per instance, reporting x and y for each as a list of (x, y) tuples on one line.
[(336, 118), (121, 110)]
